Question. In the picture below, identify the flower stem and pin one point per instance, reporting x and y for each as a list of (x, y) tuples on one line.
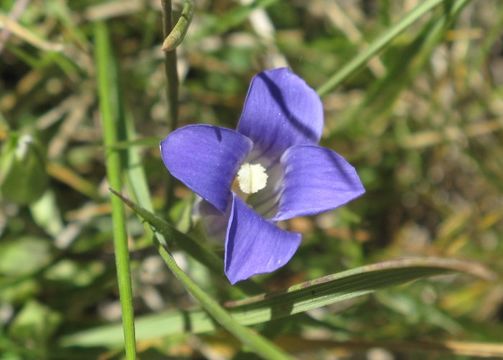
[(111, 125), (172, 86)]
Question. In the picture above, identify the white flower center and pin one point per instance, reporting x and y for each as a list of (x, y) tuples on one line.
[(252, 178)]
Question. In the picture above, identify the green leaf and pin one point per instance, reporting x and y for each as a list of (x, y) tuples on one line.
[(34, 325), (135, 172), (299, 298), (23, 178), (17, 256), (46, 213), (136, 178)]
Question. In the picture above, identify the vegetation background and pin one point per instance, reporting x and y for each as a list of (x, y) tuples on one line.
[(422, 122)]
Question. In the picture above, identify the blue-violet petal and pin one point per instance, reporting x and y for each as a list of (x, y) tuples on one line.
[(316, 179), (280, 110), (253, 245), (206, 159)]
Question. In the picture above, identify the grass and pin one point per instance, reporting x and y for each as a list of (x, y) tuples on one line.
[(413, 101)]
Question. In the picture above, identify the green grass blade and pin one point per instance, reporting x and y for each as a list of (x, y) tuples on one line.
[(137, 179), (137, 183), (248, 337), (113, 164), (376, 46), (172, 84), (299, 298)]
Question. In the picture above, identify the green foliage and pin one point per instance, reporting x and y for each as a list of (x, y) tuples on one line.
[(310, 295), (33, 326), (23, 177), (16, 256)]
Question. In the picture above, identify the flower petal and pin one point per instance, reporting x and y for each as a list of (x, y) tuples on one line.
[(206, 159), (280, 110), (253, 245), (316, 180)]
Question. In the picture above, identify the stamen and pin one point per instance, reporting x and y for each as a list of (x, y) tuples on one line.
[(252, 178)]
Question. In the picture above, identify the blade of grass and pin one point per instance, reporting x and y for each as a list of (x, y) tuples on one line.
[(135, 172), (137, 179), (171, 88), (248, 337), (376, 46), (331, 289), (113, 164)]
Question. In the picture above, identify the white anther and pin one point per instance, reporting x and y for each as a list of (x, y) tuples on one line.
[(252, 178)]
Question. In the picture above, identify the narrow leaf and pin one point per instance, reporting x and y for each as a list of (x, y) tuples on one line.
[(299, 298)]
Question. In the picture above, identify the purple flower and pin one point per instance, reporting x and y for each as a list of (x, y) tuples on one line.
[(278, 171)]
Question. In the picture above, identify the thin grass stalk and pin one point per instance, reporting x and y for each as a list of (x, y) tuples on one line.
[(171, 88), (113, 165)]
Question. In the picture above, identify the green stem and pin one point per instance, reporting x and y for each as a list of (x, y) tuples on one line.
[(113, 165), (172, 86), (376, 46)]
